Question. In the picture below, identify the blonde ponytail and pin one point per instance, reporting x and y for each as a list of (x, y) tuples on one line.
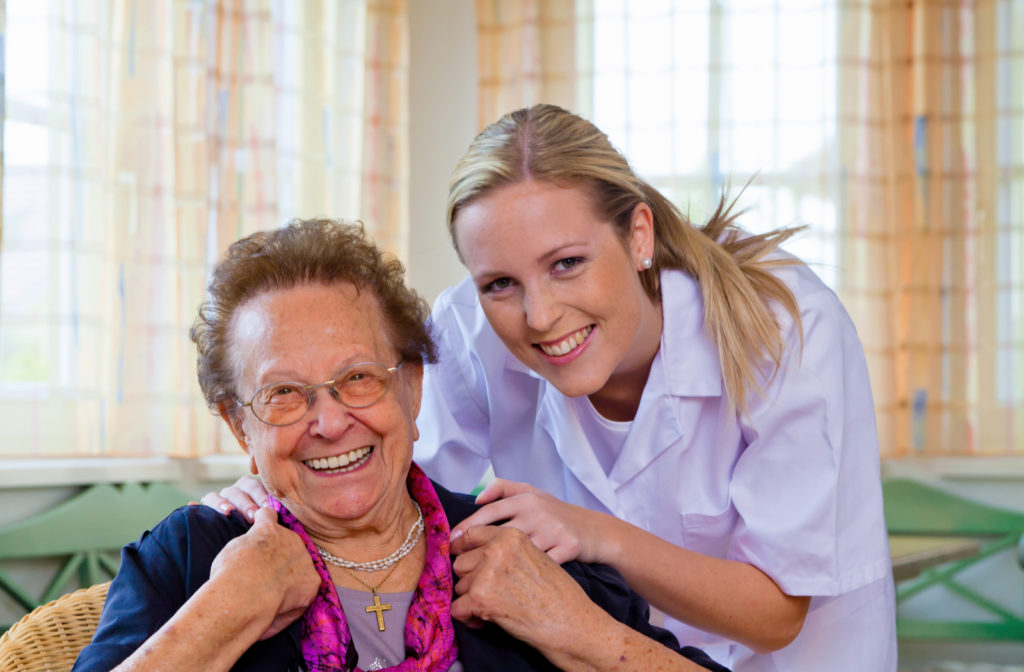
[(737, 286)]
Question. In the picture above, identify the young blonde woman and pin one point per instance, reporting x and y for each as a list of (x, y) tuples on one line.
[(689, 405)]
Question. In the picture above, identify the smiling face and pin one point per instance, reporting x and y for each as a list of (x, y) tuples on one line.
[(337, 465), (562, 291)]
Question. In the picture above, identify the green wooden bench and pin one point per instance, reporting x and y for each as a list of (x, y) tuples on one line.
[(915, 508), (84, 534)]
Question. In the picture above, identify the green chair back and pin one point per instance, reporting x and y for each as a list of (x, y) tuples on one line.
[(915, 508), (85, 534), (912, 507)]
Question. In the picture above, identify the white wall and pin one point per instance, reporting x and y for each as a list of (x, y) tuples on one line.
[(443, 103)]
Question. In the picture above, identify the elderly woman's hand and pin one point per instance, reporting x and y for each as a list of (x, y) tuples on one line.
[(506, 580), (259, 583), (269, 562)]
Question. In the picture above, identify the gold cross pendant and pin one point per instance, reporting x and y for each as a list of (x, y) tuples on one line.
[(380, 609)]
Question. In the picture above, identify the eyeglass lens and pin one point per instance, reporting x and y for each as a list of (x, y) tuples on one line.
[(357, 387)]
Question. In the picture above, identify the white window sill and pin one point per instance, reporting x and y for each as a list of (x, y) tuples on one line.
[(974, 468), (43, 472)]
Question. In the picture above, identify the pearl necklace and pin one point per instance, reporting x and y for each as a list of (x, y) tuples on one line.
[(411, 539)]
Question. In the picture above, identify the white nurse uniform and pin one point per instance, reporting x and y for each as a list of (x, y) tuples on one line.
[(792, 487)]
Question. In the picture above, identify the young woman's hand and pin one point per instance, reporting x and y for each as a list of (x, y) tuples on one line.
[(564, 531), (247, 495)]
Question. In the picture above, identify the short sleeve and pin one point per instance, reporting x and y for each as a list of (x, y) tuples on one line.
[(454, 424), (807, 487)]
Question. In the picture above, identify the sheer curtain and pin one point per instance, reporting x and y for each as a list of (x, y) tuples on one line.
[(893, 129), (140, 139), (527, 54), (933, 242)]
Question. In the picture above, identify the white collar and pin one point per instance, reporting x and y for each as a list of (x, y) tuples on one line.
[(688, 354)]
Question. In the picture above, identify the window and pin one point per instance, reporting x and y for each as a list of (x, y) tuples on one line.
[(893, 131), (140, 139), (703, 97)]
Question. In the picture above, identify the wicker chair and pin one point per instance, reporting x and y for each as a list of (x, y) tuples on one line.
[(50, 637)]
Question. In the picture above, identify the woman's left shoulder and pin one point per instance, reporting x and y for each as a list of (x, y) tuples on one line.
[(803, 281), (194, 529), (457, 506), (823, 316)]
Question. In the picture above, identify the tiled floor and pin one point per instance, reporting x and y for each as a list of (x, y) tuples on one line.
[(954, 666), (961, 656), (971, 667)]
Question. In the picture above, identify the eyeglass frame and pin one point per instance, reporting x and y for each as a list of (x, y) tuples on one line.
[(311, 389)]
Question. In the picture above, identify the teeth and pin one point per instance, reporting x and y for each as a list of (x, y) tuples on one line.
[(567, 344), (352, 457)]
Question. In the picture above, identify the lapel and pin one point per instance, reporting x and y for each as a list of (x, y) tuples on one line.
[(557, 417), (685, 371), (655, 428)]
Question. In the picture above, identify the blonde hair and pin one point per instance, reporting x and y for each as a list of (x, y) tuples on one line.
[(550, 144)]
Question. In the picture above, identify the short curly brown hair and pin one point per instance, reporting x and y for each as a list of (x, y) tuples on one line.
[(305, 251)]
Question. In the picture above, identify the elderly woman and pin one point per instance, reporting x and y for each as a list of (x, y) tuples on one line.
[(311, 348)]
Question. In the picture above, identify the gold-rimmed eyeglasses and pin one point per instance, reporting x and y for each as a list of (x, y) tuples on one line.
[(357, 386)]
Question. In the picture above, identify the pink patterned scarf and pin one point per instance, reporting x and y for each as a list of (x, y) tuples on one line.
[(429, 637)]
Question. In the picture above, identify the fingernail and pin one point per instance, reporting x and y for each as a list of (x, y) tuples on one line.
[(456, 533), (251, 514), (225, 507)]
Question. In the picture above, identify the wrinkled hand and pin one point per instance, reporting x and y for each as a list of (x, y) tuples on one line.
[(247, 495), (564, 531), (506, 580), (272, 562)]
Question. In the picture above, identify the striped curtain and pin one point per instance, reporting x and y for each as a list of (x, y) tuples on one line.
[(893, 129), (527, 54), (932, 122), (141, 139)]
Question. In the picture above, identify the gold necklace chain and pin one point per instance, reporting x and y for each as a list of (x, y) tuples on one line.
[(377, 606), (373, 589)]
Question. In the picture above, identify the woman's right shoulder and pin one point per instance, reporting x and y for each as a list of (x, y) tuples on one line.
[(205, 518), (193, 527), (468, 348), (457, 311)]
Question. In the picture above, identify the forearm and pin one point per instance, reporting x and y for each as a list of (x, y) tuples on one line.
[(595, 642), (730, 598), (209, 632)]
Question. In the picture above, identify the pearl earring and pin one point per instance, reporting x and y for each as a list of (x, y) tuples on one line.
[(647, 262)]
